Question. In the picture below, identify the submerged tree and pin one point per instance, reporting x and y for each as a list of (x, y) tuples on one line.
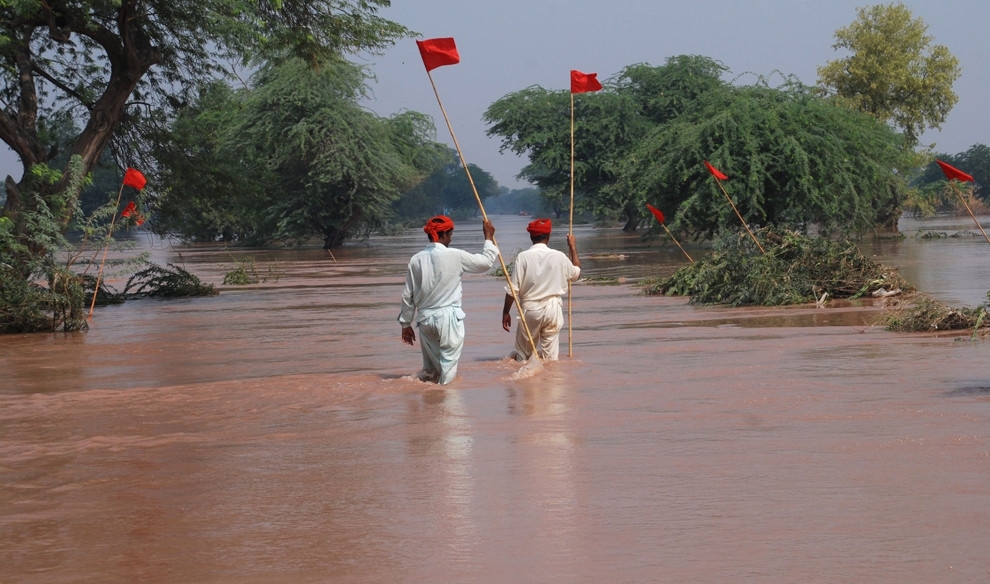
[(794, 160)]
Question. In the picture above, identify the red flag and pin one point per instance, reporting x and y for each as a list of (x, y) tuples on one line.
[(952, 172), (656, 212), (716, 172), (438, 52), (138, 219), (130, 208), (584, 82), (134, 178)]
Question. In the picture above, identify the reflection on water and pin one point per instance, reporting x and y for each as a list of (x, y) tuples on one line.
[(272, 433)]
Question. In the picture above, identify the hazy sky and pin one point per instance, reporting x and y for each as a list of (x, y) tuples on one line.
[(508, 45)]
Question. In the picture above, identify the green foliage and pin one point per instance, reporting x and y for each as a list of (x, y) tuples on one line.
[(291, 157), (794, 161), (27, 307), (893, 73), (513, 202), (171, 281), (975, 161), (245, 272), (535, 122), (204, 189), (795, 269), (447, 191)]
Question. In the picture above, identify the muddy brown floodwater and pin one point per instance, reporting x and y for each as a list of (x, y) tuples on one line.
[(272, 434)]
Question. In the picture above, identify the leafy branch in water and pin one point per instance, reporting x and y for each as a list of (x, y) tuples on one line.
[(796, 269), (245, 272), (170, 281)]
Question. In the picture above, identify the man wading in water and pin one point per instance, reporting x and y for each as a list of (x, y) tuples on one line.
[(433, 297), (540, 276)]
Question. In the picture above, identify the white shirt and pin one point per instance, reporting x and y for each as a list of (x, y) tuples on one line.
[(542, 273), (433, 279)]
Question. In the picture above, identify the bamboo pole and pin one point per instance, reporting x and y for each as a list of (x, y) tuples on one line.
[(740, 216), (570, 231), (477, 197), (965, 204), (99, 274), (677, 242)]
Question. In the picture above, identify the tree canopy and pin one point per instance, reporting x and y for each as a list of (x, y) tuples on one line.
[(893, 71), (291, 157), (110, 65), (795, 159)]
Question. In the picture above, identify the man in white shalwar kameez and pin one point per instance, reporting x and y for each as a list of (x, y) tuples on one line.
[(539, 277), (432, 297)]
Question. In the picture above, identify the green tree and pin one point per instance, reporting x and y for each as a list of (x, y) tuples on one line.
[(793, 159), (447, 190), (204, 189), (116, 62), (894, 72), (302, 158), (608, 124), (536, 122)]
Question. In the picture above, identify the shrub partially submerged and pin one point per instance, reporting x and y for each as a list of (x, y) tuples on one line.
[(170, 281), (926, 314), (27, 306), (795, 270)]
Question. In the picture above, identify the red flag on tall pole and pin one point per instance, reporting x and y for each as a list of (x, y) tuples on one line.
[(438, 52), (716, 172), (584, 82), (656, 212), (952, 172), (134, 178)]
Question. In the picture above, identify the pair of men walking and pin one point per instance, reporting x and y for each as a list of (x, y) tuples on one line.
[(432, 294)]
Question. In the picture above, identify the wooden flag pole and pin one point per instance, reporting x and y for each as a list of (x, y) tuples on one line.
[(740, 216), (678, 243), (965, 204), (570, 231), (106, 247), (508, 279)]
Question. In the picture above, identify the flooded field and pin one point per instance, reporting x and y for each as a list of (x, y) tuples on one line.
[(272, 433)]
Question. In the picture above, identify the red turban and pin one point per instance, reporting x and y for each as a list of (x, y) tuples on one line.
[(438, 224), (539, 227)]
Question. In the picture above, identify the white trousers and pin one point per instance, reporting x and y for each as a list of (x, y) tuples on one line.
[(545, 321), (441, 338)]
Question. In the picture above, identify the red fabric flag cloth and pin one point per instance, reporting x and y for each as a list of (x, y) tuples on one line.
[(438, 224), (539, 227), (584, 82), (716, 172), (134, 178), (952, 172), (130, 208), (438, 52), (139, 219), (656, 212)]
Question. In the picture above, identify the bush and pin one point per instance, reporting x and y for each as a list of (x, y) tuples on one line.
[(794, 270)]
